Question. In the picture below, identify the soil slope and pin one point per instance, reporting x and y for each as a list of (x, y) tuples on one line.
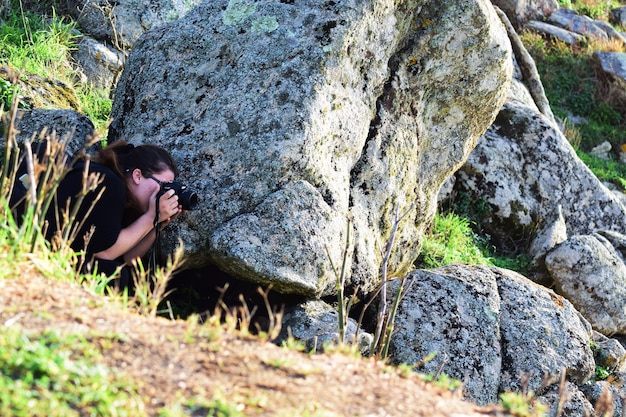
[(170, 360)]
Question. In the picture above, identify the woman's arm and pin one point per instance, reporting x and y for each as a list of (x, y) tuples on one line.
[(135, 239), (141, 248), (128, 237), (145, 244)]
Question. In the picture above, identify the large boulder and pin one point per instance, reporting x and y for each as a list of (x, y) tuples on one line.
[(75, 129), (455, 315), (292, 119), (543, 336), (524, 169), (491, 328)]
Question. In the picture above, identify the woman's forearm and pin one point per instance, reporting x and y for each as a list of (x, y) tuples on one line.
[(141, 248), (128, 238)]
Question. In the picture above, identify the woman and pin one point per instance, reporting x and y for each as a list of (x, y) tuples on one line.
[(116, 223)]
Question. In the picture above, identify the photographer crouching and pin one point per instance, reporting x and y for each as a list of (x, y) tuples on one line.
[(120, 220)]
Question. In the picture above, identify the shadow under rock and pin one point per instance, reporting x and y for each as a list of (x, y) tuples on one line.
[(202, 292)]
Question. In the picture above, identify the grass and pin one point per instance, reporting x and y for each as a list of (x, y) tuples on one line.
[(520, 405), (33, 45), (572, 87), (52, 374), (596, 9), (452, 240), (606, 170), (58, 375), (47, 374), (36, 46)]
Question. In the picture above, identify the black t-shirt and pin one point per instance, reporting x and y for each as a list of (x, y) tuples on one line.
[(106, 215)]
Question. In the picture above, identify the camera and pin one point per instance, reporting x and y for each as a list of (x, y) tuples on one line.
[(187, 198)]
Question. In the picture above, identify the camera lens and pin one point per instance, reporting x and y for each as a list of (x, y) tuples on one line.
[(188, 199)]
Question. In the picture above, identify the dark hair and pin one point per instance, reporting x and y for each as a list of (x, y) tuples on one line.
[(124, 158)]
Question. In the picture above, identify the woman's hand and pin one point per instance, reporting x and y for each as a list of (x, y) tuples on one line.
[(169, 208)]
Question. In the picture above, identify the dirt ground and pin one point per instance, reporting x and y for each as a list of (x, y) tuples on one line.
[(174, 359)]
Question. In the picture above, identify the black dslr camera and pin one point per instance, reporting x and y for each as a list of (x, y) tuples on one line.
[(187, 198)]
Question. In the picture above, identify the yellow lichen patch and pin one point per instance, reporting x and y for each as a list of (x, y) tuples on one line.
[(46, 93)]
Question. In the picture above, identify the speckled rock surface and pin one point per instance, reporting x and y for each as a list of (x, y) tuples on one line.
[(491, 328), (524, 169), (589, 272), (280, 113)]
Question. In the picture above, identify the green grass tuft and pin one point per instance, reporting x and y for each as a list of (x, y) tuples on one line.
[(606, 170), (58, 375), (451, 240)]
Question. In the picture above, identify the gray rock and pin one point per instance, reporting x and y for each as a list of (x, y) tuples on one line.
[(612, 67), (550, 232), (36, 92), (454, 313), (610, 31), (317, 325), (573, 22), (364, 107), (617, 240), (122, 22), (100, 64), (492, 329), (589, 272), (605, 397), (74, 128), (542, 336), (617, 16), (521, 11), (567, 400), (602, 151), (524, 168), (556, 32)]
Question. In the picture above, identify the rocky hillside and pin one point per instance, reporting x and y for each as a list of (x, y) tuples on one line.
[(316, 132)]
